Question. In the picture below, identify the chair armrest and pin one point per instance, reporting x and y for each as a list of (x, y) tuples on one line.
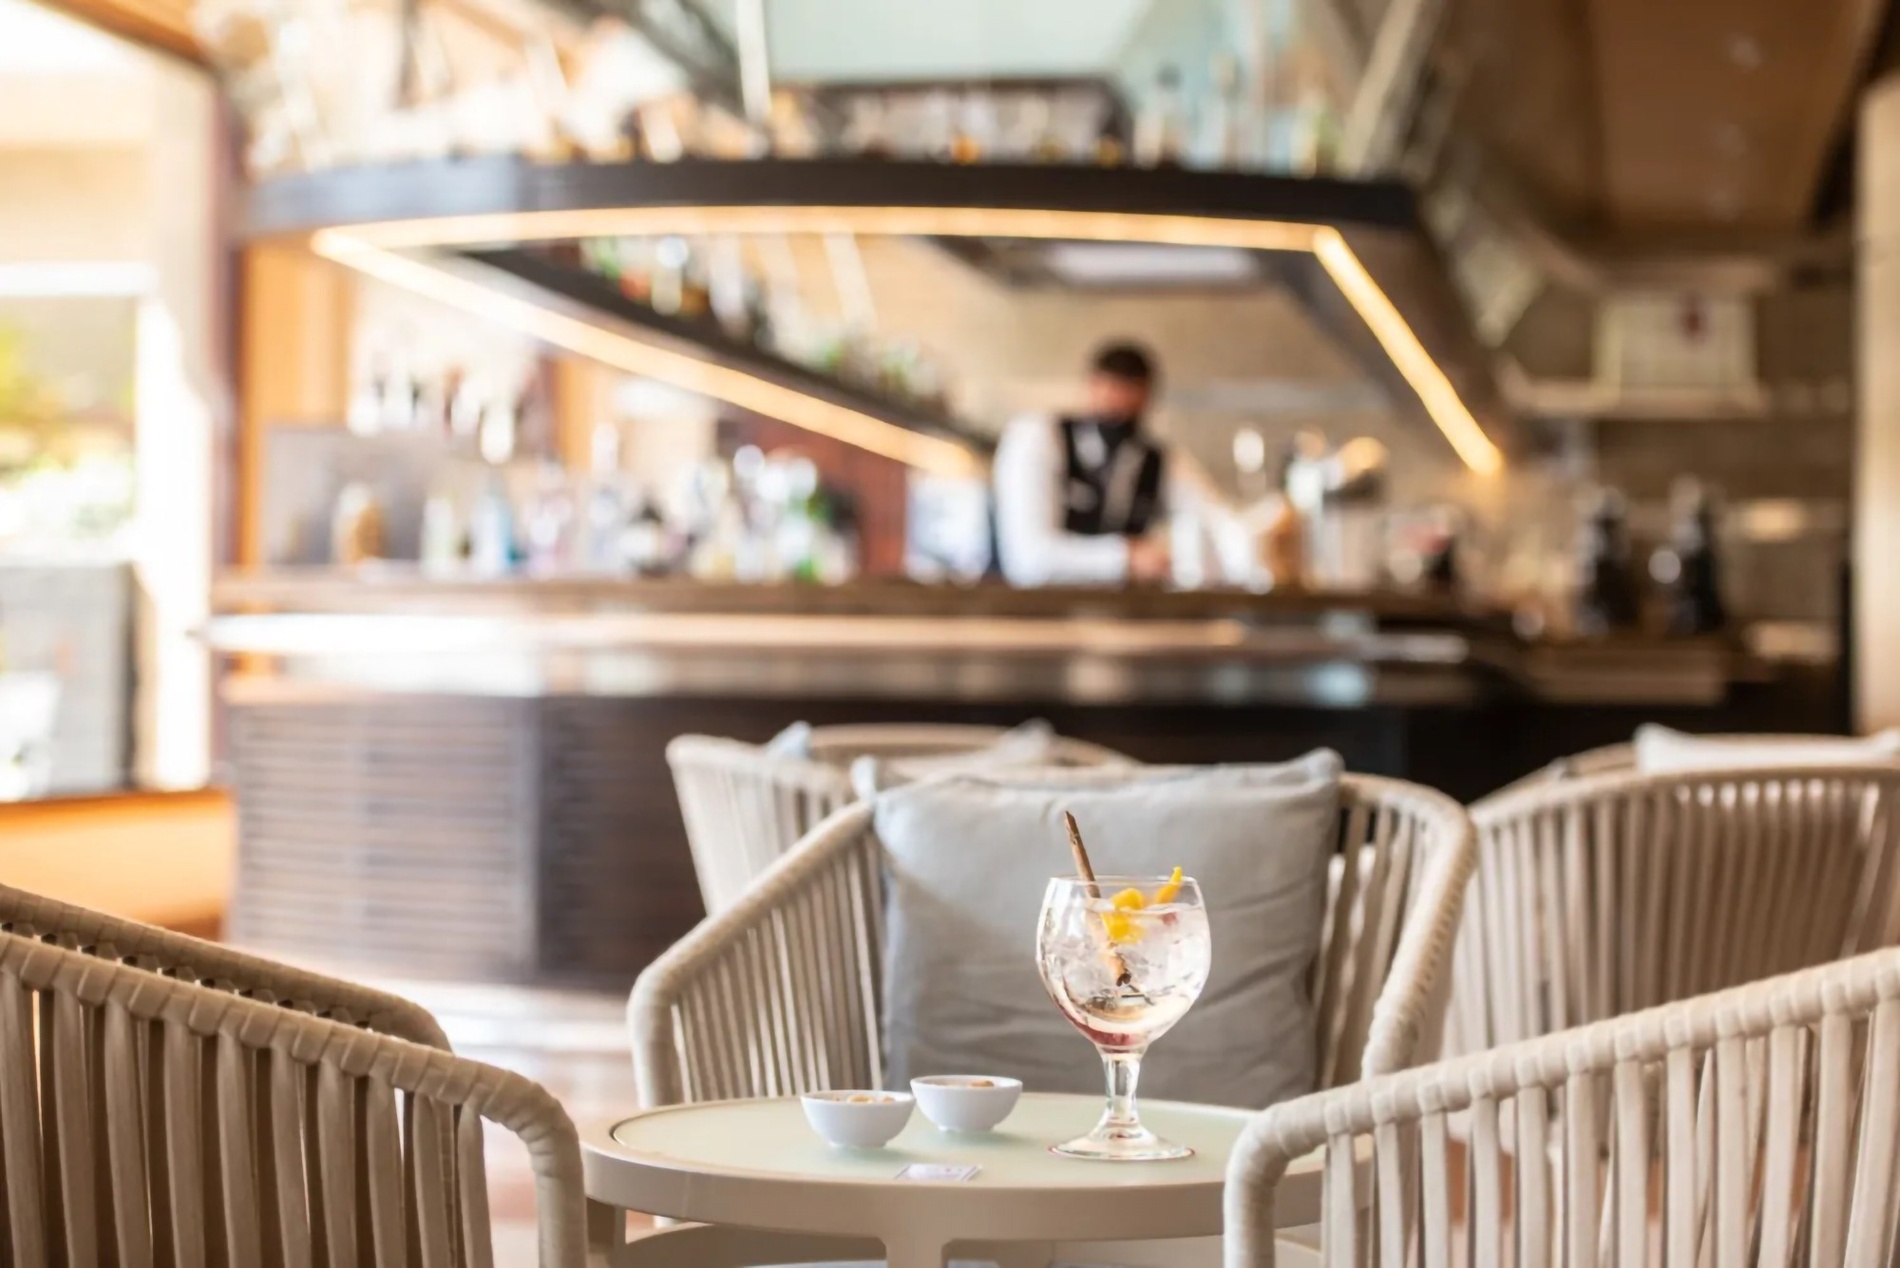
[(778, 993), (211, 964), (392, 1129)]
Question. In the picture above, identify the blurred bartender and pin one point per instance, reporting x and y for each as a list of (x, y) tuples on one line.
[(1088, 499)]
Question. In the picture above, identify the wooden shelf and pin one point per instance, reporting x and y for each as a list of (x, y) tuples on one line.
[(498, 185), (709, 341)]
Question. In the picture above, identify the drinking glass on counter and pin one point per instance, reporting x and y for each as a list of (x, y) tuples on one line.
[(1124, 958)]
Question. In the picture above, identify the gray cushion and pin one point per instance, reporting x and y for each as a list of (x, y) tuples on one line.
[(967, 859), (793, 741)]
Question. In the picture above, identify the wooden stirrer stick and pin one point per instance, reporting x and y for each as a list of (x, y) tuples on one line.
[(1122, 976), (1081, 853)]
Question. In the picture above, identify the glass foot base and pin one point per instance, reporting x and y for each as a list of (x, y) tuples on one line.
[(1122, 1145)]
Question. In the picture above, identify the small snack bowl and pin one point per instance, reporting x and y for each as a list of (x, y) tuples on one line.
[(966, 1102), (861, 1119)]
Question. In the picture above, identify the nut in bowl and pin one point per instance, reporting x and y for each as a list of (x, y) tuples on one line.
[(857, 1119), (966, 1102)]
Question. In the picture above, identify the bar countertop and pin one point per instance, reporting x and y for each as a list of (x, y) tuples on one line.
[(391, 628)]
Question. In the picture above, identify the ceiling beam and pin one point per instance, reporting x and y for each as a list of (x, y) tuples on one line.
[(162, 25), (1341, 39), (1831, 111), (1376, 122), (1716, 261)]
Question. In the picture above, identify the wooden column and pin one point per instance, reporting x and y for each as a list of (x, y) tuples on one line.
[(1877, 467), (293, 363), (583, 395)]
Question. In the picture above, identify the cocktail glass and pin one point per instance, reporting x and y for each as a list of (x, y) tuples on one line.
[(1124, 958)]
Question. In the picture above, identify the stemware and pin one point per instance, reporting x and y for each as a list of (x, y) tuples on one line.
[(1124, 958)]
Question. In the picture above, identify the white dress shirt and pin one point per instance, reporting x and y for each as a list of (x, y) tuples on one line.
[(1030, 475)]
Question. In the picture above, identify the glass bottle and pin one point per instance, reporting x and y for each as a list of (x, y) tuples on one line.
[(1158, 130), (1689, 567), (1606, 598), (1220, 132)]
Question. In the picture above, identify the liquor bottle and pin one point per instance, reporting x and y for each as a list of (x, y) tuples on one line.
[(727, 285), (937, 128), (356, 526), (1220, 132), (867, 135), (965, 146), (1606, 598), (670, 257), (1688, 567), (1158, 130), (441, 545), (491, 530), (695, 283), (1032, 139)]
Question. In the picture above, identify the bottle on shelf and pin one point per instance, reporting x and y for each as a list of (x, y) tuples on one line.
[(1688, 567), (492, 550), (442, 538), (356, 526), (727, 285), (1160, 125), (548, 524), (867, 134), (670, 257), (1220, 144), (1607, 596)]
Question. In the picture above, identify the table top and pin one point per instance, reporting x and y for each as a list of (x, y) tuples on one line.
[(758, 1164)]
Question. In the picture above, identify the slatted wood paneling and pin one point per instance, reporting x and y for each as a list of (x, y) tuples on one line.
[(395, 832)]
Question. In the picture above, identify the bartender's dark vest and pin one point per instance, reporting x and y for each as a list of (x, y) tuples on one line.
[(1121, 494)]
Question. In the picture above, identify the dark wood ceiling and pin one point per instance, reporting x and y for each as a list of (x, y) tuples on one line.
[(1631, 120)]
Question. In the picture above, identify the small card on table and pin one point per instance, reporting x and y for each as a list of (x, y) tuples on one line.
[(938, 1172)]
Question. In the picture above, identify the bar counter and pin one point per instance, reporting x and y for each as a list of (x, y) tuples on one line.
[(467, 778)]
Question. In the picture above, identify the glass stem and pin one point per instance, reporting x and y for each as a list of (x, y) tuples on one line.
[(1123, 1070)]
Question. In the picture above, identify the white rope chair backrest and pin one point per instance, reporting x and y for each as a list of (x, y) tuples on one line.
[(1381, 978), (1758, 1126), (781, 992), (215, 965), (147, 1120), (843, 745), (1605, 894), (745, 806)]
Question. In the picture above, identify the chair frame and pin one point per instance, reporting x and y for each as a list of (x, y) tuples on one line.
[(744, 807), (1628, 1107), (780, 993), (140, 1114), (1603, 894)]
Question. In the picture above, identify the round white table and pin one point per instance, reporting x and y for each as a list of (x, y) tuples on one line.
[(756, 1166)]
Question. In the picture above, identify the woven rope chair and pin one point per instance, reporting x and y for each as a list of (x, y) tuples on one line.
[(1757, 1126), (193, 959), (1599, 895), (146, 1119), (780, 993), (745, 806), (1621, 758)]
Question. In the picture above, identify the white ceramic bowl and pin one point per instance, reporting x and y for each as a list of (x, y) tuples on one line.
[(859, 1123), (966, 1102)]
